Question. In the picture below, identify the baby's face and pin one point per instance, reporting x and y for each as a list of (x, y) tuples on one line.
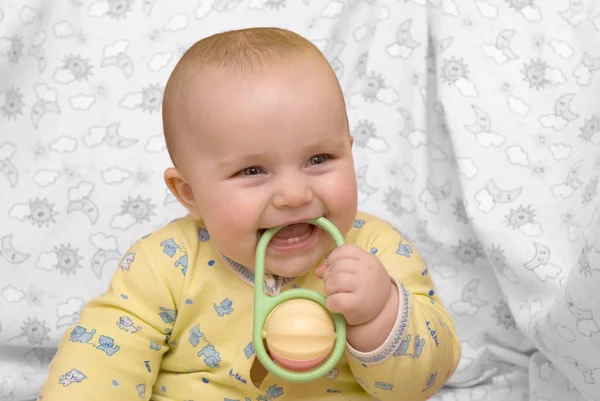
[(270, 149)]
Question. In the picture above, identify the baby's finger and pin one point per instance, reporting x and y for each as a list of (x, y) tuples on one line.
[(320, 271), (346, 251), (341, 266), (342, 302), (342, 282)]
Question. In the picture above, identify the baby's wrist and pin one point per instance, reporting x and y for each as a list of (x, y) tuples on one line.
[(390, 308), (368, 336)]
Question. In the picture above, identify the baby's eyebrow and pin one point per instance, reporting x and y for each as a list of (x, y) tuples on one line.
[(330, 145), (238, 158)]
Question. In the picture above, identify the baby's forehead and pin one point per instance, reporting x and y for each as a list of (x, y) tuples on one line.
[(212, 101), (213, 75)]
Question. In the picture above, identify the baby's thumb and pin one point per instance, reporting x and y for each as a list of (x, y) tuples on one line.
[(321, 270)]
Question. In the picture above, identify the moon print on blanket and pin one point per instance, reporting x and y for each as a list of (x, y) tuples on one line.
[(585, 323), (9, 252), (470, 301), (540, 264)]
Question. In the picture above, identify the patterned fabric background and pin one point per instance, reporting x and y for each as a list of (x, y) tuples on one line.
[(477, 132)]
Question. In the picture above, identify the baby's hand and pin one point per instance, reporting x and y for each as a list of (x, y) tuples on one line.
[(357, 284)]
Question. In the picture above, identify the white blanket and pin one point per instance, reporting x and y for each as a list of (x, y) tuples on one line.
[(477, 132)]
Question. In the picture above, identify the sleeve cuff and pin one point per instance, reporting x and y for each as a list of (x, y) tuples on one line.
[(394, 339)]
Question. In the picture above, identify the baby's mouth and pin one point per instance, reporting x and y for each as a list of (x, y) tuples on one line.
[(293, 234), (290, 234)]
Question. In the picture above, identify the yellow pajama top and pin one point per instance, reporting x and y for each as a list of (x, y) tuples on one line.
[(176, 324)]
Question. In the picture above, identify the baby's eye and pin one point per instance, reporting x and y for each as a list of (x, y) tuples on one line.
[(318, 159), (254, 170)]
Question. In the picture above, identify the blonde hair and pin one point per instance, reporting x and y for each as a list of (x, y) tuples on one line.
[(237, 51)]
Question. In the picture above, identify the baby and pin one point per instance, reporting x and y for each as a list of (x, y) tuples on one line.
[(256, 127)]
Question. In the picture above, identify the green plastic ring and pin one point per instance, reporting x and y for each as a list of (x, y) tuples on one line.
[(264, 305)]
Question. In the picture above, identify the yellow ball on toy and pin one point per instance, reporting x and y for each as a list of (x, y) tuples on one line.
[(299, 334)]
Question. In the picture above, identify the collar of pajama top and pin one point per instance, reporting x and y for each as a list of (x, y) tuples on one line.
[(273, 285)]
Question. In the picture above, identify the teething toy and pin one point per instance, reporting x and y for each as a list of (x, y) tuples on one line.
[(300, 334), (296, 324)]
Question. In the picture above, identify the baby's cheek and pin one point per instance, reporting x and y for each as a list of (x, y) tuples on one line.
[(234, 238), (344, 193)]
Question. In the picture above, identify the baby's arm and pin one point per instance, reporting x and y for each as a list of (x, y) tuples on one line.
[(115, 350), (422, 350)]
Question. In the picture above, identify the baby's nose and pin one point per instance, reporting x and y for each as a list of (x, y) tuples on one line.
[(292, 194)]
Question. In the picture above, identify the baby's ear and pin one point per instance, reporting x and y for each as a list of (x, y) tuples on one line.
[(183, 191)]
